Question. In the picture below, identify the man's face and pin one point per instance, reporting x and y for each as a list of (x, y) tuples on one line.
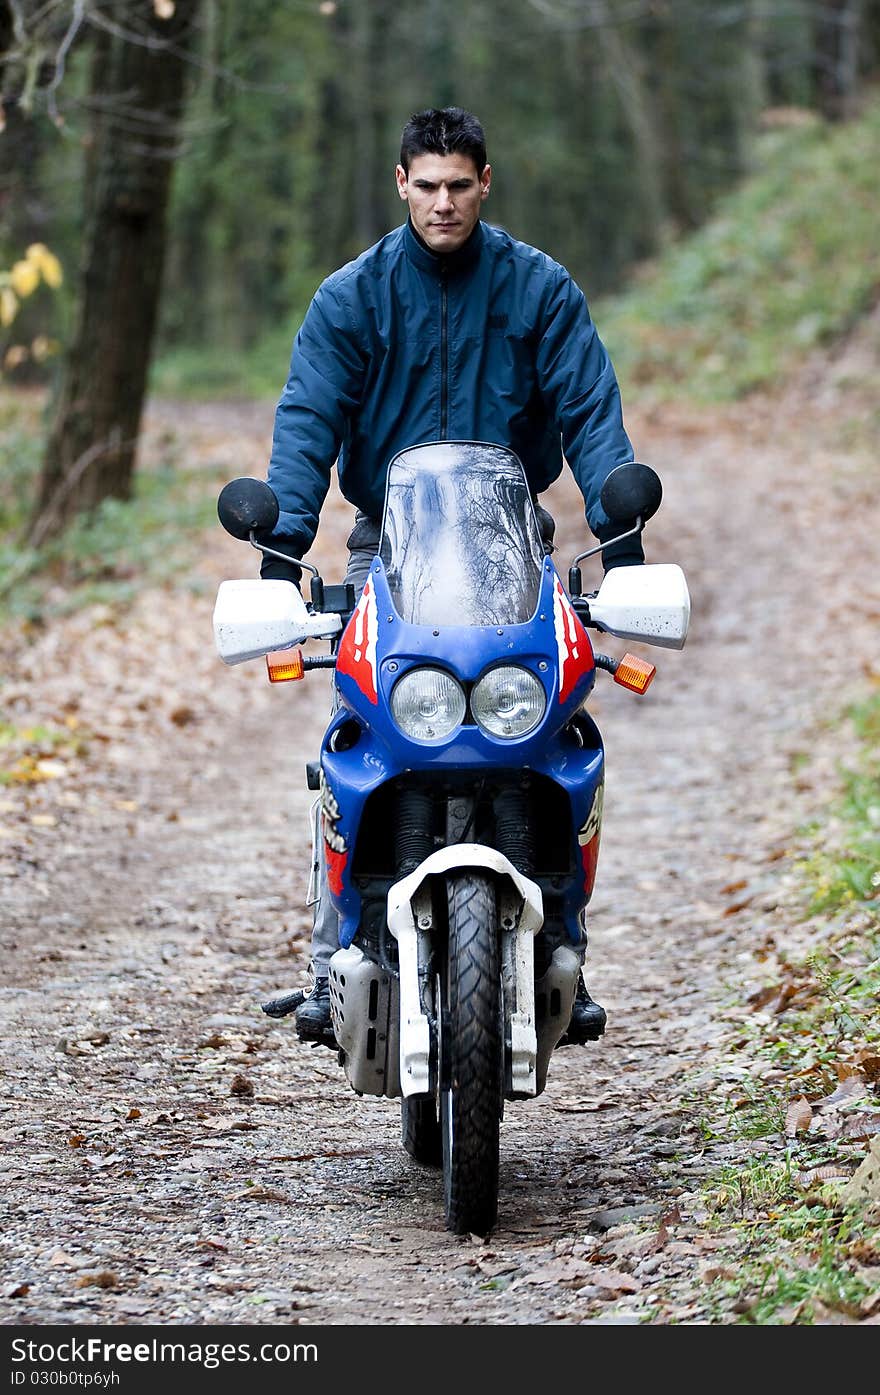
[(444, 193)]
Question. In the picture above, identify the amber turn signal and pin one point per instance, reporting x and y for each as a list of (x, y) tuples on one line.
[(634, 673), (286, 666)]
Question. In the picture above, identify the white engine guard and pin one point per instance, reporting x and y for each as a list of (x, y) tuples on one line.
[(525, 915)]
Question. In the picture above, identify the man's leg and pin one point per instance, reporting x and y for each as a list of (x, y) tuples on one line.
[(587, 1017), (313, 1021)]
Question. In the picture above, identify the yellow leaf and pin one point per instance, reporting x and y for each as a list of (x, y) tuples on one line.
[(44, 820), (14, 355), (127, 806), (8, 306), (43, 347), (24, 278), (47, 264)]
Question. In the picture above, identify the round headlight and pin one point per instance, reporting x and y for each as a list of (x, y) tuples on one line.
[(428, 704), (508, 701)]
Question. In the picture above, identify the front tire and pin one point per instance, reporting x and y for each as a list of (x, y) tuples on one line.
[(472, 1044)]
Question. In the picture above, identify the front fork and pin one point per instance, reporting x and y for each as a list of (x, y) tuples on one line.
[(411, 922)]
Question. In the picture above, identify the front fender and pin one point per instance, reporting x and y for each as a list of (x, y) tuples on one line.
[(521, 916)]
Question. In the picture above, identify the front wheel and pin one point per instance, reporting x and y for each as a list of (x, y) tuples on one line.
[(472, 1050)]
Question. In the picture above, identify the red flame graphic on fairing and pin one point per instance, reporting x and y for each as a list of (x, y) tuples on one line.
[(575, 650), (357, 648)]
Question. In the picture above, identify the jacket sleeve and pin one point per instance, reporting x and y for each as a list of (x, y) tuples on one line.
[(579, 386), (322, 392)]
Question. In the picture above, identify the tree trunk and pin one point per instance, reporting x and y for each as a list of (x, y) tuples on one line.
[(836, 57), (137, 94)]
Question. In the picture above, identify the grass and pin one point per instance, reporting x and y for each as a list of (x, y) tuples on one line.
[(105, 557), (796, 1249), (790, 262), (848, 871)]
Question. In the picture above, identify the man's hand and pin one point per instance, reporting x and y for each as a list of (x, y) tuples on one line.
[(627, 553), (273, 569)]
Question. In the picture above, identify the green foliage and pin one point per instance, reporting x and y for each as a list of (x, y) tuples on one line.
[(813, 1029), (104, 556), (794, 1269), (844, 869), (602, 138), (260, 372), (779, 270)]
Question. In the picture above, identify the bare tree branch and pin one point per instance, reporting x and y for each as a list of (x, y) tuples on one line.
[(76, 20)]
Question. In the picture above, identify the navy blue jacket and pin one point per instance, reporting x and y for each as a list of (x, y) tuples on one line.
[(493, 342)]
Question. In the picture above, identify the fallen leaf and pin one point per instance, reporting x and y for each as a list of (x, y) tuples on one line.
[(864, 1185), (798, 1116), (609, 1101), (44, 820), (737, 906), (869, 1064), (850, 1087), (61, 1257), (229, 1125), (733, 887), (830, 1172), (859, 1128), (133, 1114), (264, 1194), (615, 1281), (21, 1292), (825, 1316), (241, 1086), (104, 1278)]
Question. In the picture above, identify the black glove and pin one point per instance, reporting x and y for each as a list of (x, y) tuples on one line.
[(273, 569), (627, 553)]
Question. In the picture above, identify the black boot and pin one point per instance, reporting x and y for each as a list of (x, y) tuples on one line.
[(587, 1021), (313, 1020)]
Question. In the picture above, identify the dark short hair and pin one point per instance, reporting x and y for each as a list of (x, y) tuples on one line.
[(443, 131)]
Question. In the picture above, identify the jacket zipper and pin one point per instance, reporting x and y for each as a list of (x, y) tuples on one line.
[(444, 353)]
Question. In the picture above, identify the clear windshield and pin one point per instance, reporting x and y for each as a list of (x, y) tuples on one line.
[(460, 540)]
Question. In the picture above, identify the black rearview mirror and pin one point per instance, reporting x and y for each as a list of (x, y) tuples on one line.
[(245, 506), (631, 491)]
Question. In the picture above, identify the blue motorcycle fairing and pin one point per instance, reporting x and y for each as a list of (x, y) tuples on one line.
[(351, 776), (465, 651), (383, 751)]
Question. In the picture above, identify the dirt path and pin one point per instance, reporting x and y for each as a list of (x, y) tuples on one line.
[(167, 1154)]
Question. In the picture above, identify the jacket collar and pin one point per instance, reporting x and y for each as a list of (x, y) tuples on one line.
[(435, 262)]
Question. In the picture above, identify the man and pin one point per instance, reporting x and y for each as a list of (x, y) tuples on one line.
[(446, 329)]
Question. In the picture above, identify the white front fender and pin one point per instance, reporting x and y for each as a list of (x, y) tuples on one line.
[(525, 914)]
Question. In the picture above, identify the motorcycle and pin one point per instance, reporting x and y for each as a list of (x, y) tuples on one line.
[(460, 783)]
